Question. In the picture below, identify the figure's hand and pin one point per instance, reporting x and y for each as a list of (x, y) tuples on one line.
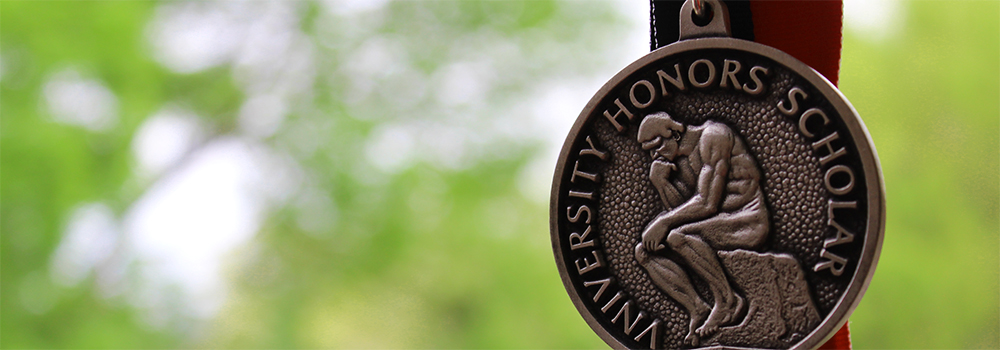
[(659, 172), (653, 236)]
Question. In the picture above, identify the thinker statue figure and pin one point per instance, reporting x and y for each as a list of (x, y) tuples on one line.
[(710, 185)]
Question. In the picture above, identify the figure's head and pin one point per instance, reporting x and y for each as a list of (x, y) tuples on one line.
[(660, 135)]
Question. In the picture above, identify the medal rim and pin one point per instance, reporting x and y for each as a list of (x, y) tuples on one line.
[(875, 224)]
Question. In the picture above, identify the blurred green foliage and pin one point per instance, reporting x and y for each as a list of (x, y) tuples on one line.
[(931, 100), (441, 256), (49, 168)]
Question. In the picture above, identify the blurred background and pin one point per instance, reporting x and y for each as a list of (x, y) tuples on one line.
[(372, 174)]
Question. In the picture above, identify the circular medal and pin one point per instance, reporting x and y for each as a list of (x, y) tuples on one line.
[(717, 193)]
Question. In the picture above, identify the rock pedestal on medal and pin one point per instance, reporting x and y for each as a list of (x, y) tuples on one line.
[(780, 309)]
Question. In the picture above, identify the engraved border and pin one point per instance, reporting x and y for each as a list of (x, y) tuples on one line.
[(875, 226)]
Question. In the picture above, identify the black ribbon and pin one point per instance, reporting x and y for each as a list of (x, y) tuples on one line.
[(664, 21)]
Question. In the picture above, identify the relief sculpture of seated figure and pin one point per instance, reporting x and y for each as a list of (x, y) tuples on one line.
[(711, 188)]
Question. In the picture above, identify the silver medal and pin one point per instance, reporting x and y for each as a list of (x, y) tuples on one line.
[(717, 193)]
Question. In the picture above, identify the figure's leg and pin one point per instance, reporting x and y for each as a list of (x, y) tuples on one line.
[(745, 229), (705, 261), (670, 278), (698, 242)]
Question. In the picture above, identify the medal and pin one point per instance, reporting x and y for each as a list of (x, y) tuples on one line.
[(717, 193)]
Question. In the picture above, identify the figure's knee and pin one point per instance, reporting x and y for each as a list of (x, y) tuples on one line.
[(754, 230), (757, 235), (676, 239), (641, 255)]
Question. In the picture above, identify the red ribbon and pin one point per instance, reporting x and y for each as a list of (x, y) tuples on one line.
[(811, 32), (808, 30)]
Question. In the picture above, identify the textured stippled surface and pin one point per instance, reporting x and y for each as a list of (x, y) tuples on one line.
[(792, 183)]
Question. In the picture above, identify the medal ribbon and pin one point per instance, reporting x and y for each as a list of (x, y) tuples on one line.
[(810, 31), (807, 30)]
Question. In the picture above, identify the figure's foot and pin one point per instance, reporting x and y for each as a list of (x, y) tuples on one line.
[(691, 339), (697, 318), (722, 314)]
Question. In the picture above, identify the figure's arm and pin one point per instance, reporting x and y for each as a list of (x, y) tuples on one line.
[(715, 150), (659, 175)]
